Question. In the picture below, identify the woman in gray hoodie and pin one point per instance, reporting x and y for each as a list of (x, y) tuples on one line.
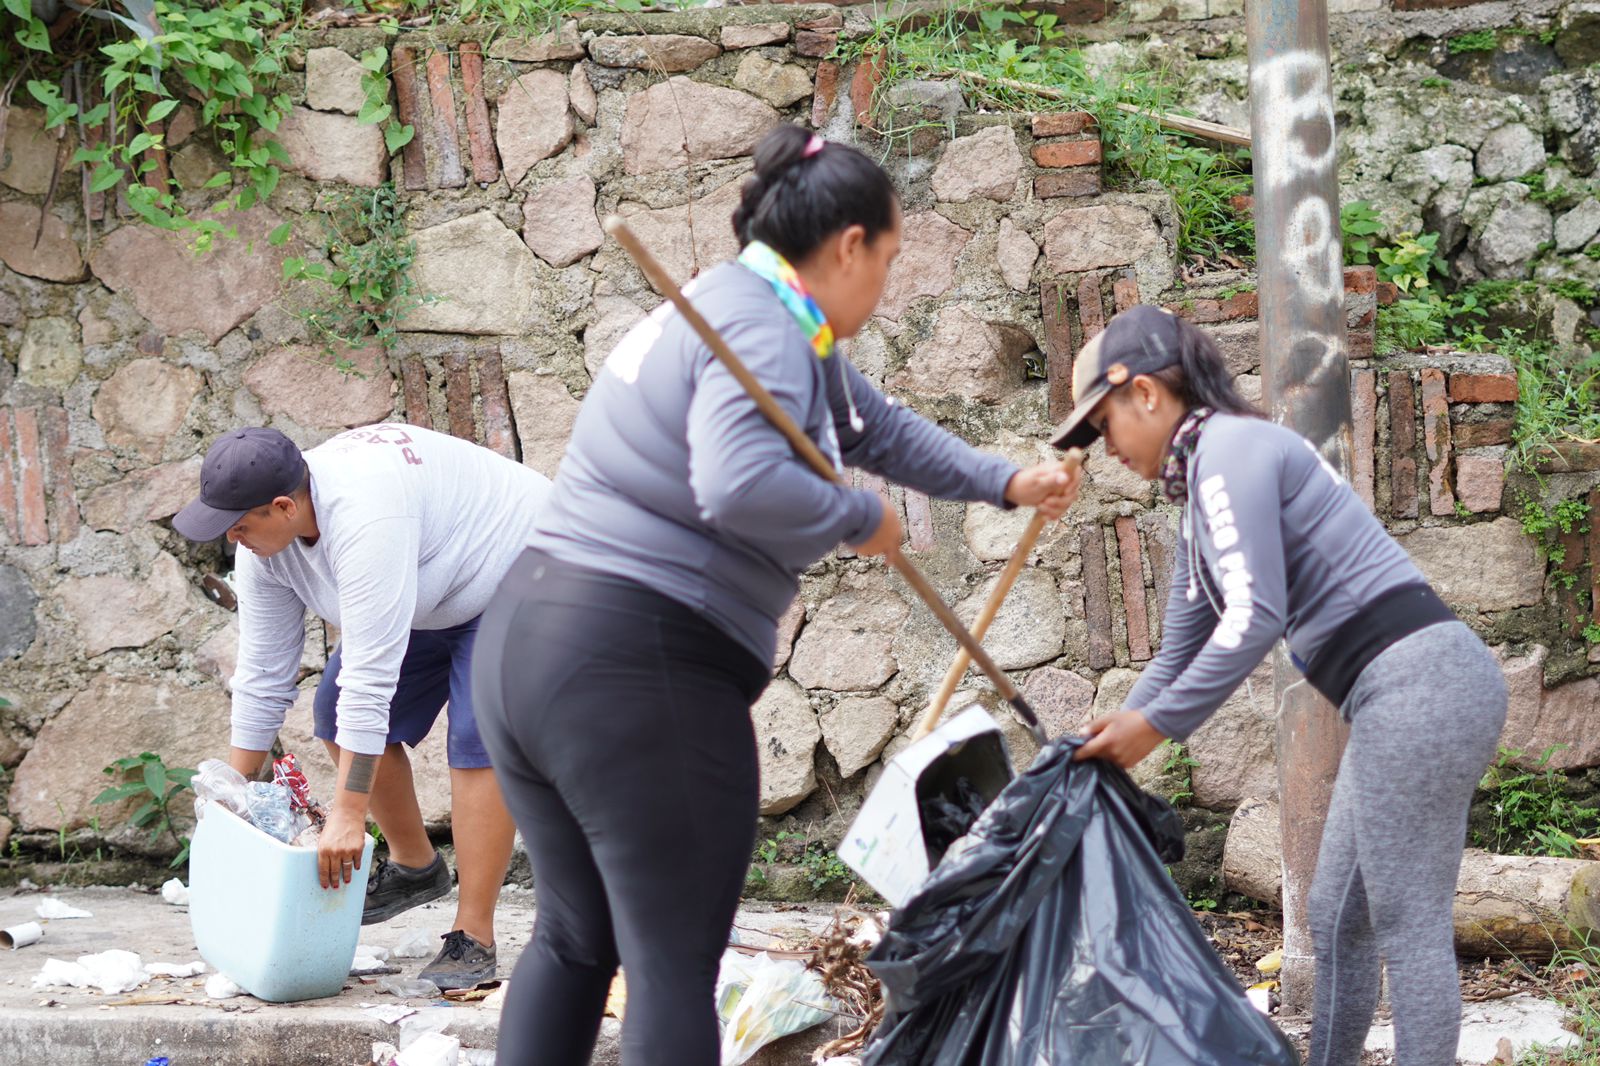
[(1274, 544), (616, 668)]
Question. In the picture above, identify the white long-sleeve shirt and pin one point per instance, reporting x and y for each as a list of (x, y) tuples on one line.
[(416, 529)]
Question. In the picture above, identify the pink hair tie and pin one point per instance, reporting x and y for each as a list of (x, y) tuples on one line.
[(813, 146)]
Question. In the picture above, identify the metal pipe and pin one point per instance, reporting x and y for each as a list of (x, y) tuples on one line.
[(1306, 382)]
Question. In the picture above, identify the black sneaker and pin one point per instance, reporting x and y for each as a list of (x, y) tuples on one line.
[(461, 963), (394, 889)]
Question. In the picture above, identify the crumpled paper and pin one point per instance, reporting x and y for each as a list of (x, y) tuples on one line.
[(175, 892), (220, 986), (175, 969), (52, 909), (112, 972)]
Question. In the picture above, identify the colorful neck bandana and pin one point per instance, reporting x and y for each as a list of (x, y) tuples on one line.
[(762, 261), (1175, 467)]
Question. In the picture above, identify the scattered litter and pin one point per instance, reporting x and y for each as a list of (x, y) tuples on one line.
[(20, 936), (175, 892), (481, 990), (409, 988), (431, 1049), (1271, 962), (161, 1060), (389, 1013), (839, 1060), (52, 909), (760, 999), (1260, 995), (418, 945), (497, 998), (217, 782), (431, 1021), (110, 971), (173, 969), (220, 986), (477, 1056), (383, 1054), (371, 962), (617, 996)]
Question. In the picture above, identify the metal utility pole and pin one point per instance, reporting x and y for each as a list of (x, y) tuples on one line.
[(1306, 379)]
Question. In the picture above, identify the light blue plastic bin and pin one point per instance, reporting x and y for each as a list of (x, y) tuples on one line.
[(260, 917)]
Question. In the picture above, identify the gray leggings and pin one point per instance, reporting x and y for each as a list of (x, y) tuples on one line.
[(1425, 717)]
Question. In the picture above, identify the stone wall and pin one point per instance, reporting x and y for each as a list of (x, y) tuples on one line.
[(126, 355)]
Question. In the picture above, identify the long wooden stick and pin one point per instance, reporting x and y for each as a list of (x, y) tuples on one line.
[(808, 450), (980, 627)]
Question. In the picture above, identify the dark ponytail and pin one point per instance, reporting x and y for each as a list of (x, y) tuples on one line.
[(795, 201), (1202, 378)]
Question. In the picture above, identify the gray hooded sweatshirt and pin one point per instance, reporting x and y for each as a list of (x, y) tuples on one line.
[(673, 479)]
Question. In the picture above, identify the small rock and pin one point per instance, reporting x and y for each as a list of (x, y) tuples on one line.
[(934, 100), (715, 123), (855, 730), (146, 495), (786, 742), (333, 81), (1017, 253), (779, 84), (195, 164), (29, 152), (545, 413), (1577, 227), (986, 164), (1490, 566), (967, 357), (1030, 627), (1517, 229), (670, 53), (331, 147), (848, 644), (1062, 700), (926, 266), (55, 258), (51, 355), (558, 221), (754, 36), (580, 93), (1510, 152), (482, 272), (533, 121), (305, 385), (1481, 479), (17, 623), (144, 403), (118, 611), (1105, 235), (561, 46)]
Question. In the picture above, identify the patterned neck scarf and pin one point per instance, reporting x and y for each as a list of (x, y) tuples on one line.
[(1175, 467), (761, 260)]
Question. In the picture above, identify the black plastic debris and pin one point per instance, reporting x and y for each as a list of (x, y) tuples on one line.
[(1057, 937)]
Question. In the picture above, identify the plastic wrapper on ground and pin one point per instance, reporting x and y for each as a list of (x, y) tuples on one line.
[(1057, 936), (761, 999)]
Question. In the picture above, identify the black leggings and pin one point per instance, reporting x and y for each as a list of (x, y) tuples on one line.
[(618, 721)]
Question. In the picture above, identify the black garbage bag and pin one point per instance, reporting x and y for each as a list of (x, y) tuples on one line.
[(1057, 937)]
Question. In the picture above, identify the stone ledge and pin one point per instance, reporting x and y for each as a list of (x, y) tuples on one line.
[(707, 22)]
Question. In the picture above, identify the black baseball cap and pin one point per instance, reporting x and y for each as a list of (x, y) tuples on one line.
[(1140, 340), (245, 469)]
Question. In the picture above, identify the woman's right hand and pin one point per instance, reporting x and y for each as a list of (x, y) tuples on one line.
[(886, 537)]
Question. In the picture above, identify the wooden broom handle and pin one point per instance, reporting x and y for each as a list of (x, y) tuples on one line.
[(1002, 588), (617, 227)]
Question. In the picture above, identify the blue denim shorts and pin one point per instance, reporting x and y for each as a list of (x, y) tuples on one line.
[(436, 670)]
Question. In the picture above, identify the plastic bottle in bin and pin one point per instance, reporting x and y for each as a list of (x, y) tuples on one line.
[(217, 782), (286, 772), (271, 810)]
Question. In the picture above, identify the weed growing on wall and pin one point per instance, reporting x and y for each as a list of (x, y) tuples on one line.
[(148, 779), (1534, 813)]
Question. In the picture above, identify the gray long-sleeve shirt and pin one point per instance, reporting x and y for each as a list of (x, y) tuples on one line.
[(1290, 551), (675, 480)]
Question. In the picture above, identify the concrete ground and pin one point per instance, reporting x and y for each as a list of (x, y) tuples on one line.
[(174, 1018)]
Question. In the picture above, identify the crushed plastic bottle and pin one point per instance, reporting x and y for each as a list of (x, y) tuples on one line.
[(217, 782), (270, 810), (286, 772)]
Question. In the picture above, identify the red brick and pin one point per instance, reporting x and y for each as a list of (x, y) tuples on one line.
[(1481, 434), (415, 378), (1364, 423), (1097, 596), (1124, 294), (920, 535), (1360, 279), (1133, 604), (1388, 293), (1058, 347), (1062, 123), (498, 434), (824, 93), (447, 138), (403, 71), (1574, 599), (30, 479), (1483, 388), (1209, 312), (1566, 456), (1160, 543), (1062, 154), (815, 44), (64, 516), (1360, 342), (1594, 554), (864, 85), (458, 395), (1242, 204), (1402, 445), (1436, 441), (480, 138), (8, 484), (1079, 181), (1091, 307)]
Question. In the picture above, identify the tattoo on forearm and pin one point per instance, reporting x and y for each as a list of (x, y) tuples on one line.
[(362, 769)]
